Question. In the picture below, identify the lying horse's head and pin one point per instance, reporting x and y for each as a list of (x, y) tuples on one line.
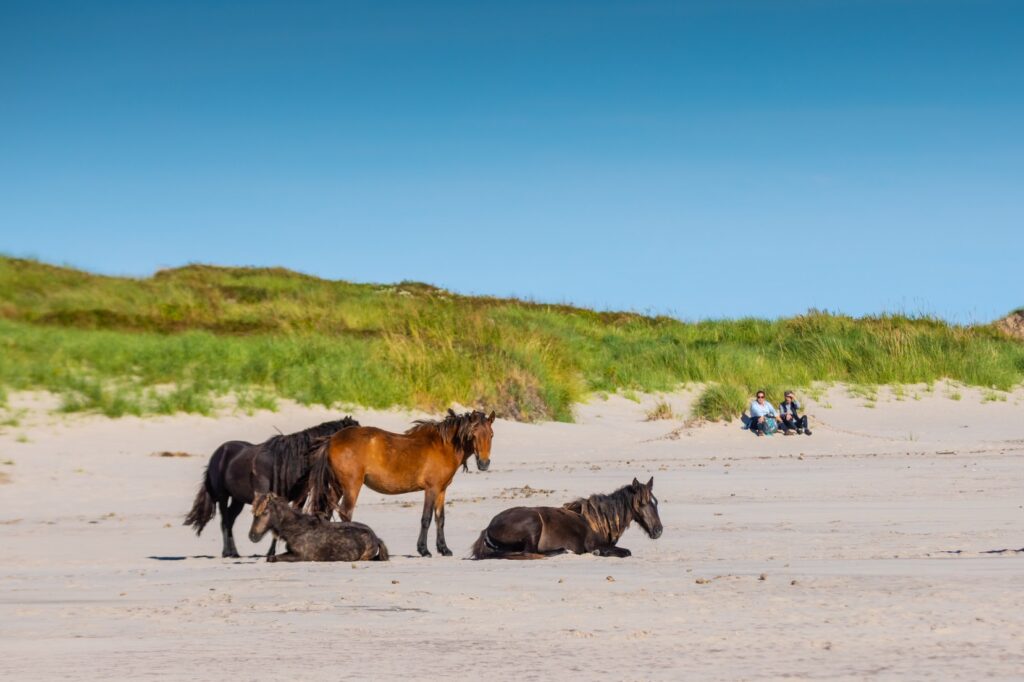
[(645, 508), (263, 515)]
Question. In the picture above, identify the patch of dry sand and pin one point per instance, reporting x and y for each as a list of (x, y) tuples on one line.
[(833, 556)]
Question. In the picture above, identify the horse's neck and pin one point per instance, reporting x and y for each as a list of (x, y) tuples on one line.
[(627, 518), (451, 450), (289, 522)]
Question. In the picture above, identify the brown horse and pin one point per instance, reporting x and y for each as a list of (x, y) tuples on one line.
[(425, 458), (592, 524)]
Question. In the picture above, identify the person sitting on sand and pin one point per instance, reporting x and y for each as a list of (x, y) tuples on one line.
[(762, 416), (791, 420)]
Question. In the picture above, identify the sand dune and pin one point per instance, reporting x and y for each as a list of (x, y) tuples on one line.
[(869, 549)]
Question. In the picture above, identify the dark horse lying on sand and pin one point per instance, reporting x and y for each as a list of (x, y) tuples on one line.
[(238, 470), (593, 524), (425, 458), (311, 538)]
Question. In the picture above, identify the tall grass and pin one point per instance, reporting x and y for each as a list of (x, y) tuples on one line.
[(177, 340)]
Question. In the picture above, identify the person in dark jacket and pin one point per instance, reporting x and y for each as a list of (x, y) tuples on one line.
[(789, 417)]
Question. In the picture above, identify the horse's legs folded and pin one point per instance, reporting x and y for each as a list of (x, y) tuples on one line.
[(619, 552)]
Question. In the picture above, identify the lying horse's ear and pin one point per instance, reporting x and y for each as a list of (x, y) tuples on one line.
[(636, 483), (491, 417), (451, 412), (650, 483)]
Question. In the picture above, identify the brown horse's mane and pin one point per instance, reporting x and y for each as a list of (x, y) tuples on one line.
[(454, 429), (607, 515)]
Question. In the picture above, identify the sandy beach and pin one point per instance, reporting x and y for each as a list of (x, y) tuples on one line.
[(873, 548)]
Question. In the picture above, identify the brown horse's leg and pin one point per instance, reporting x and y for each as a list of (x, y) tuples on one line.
[(442, 546), (429, 496), (350, 487), (612, 550)]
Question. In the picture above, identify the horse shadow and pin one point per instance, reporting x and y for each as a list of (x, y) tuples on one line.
[(199, 556)]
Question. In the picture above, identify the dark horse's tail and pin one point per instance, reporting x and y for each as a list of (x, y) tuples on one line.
[(203, 508), (382, 551), (485, 548), (323, 490)]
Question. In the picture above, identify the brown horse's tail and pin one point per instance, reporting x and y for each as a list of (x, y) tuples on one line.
[(382, 551), (323, 490), (203, 508)]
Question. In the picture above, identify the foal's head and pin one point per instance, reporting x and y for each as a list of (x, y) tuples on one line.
[(262, 515), (645, 507)]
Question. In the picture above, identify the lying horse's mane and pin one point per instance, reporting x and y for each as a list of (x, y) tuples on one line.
[(607, 515), (290, 453), (454, 429)]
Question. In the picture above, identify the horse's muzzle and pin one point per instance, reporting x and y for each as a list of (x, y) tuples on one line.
[(656, 533), (482, 464)]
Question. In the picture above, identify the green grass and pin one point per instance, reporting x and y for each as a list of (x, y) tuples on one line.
[(185, 339)]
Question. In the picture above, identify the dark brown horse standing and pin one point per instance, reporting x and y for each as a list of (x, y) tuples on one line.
[(239, 470), (592, 524), (425, 458)]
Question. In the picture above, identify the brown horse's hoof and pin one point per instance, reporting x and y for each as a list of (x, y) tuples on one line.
[(271, 559), (424, 552), (444, 552)]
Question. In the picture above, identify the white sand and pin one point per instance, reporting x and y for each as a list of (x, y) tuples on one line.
[(851, 529)]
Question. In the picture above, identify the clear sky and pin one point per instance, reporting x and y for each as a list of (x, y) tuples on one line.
[(702, 159)]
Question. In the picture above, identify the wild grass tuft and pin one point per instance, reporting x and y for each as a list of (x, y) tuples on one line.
[(721, 401), (661, 410)]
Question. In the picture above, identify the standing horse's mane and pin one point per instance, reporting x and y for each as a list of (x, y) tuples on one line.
[(454, 429), (607, 515), (290, 453)]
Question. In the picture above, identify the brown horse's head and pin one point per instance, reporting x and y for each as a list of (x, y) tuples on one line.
[(482, 433), (645, 508), (262, 513)]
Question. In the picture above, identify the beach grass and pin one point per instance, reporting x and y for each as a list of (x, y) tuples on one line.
[(182, 339)]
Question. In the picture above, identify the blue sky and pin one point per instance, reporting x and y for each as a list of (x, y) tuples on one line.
[(702, 159)]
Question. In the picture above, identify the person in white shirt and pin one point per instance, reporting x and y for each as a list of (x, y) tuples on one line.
[(762, 415)]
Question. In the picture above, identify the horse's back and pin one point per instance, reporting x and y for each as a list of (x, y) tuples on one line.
[(538, 529), (392, 463), (229, 470)]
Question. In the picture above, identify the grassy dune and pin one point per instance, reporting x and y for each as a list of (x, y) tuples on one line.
[(178, 339)]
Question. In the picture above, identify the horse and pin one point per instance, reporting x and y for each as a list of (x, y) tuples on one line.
[(425, 458), (311, 538), (592, 524), (238, 470)]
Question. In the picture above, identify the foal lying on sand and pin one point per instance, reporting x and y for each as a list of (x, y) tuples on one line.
[(593, 524), (311, 538)]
